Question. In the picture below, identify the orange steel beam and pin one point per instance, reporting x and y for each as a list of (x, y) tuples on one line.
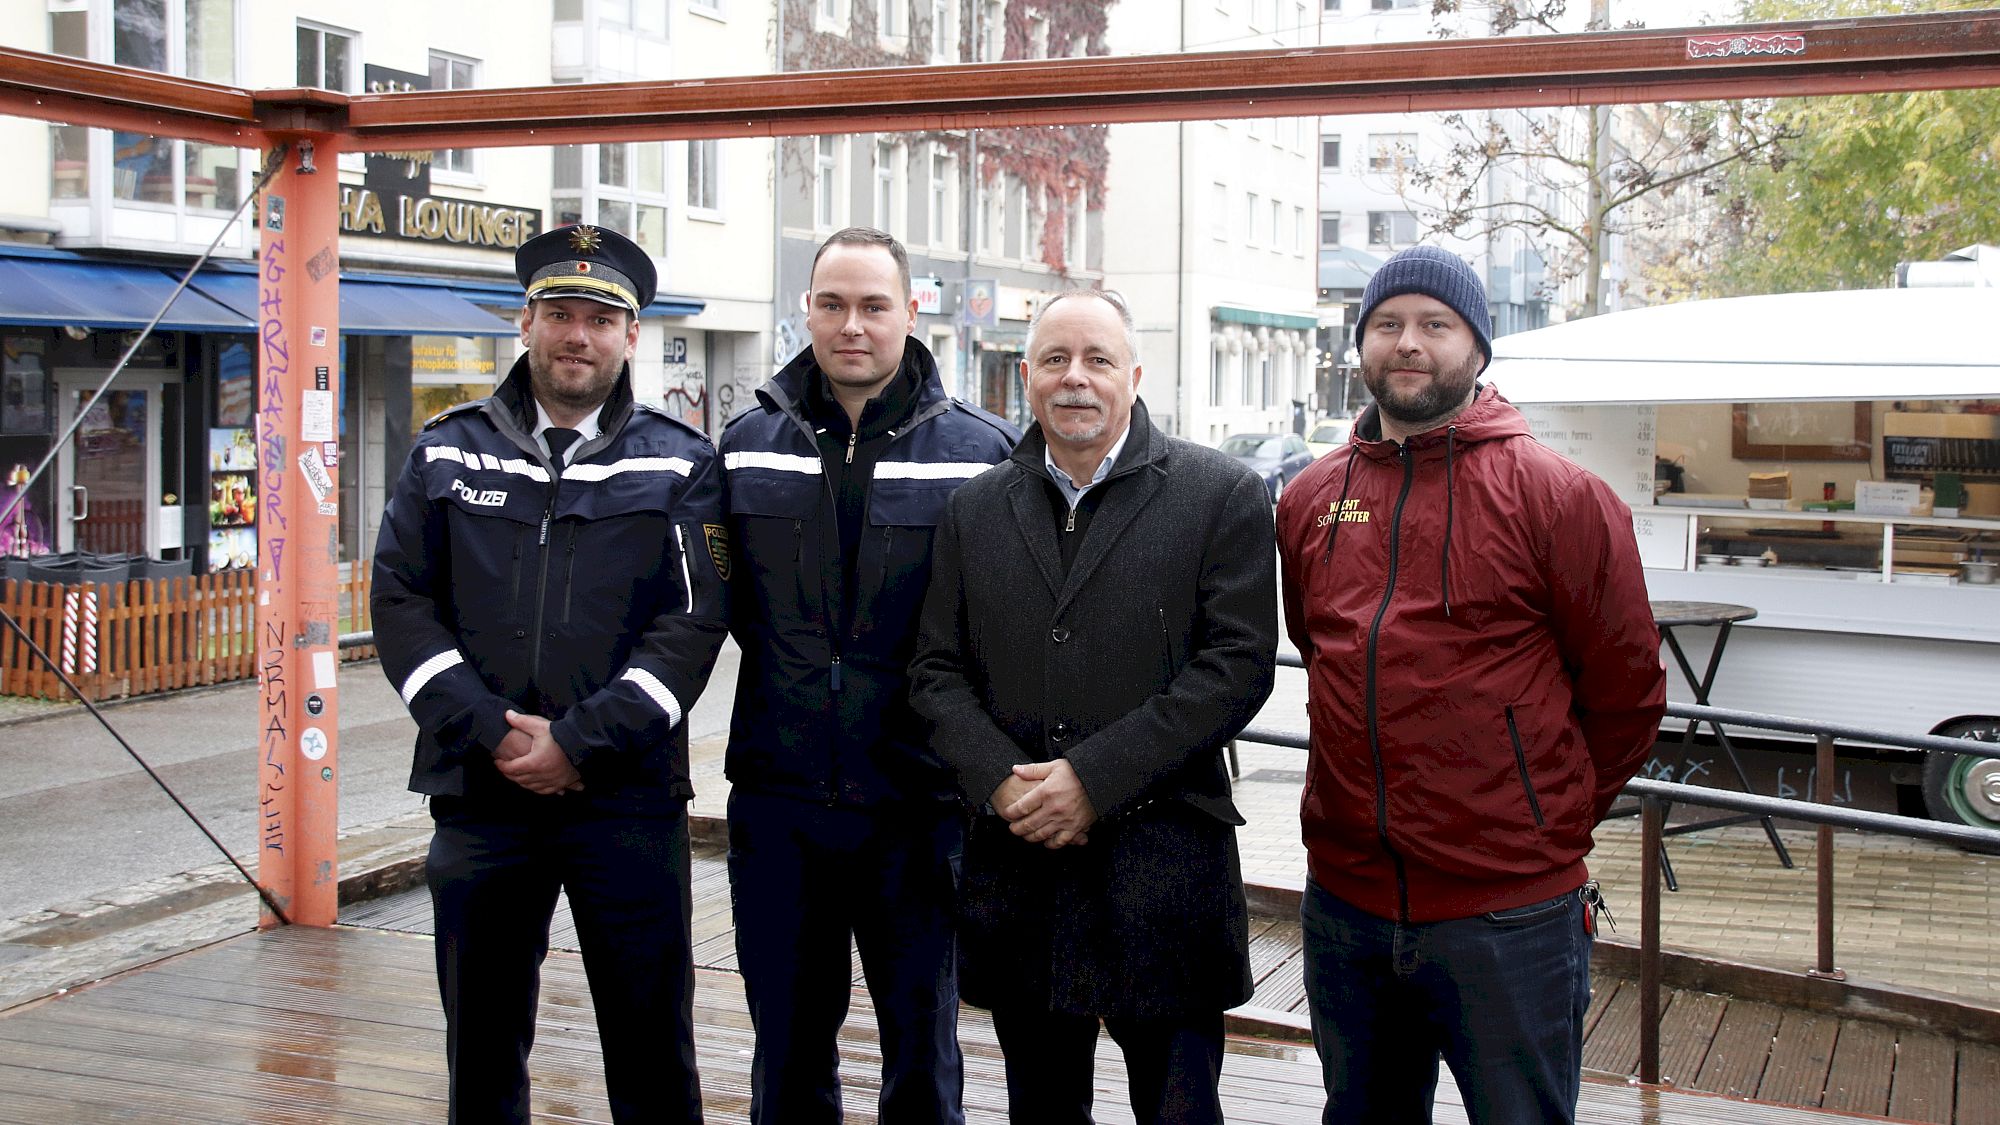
[(1805, 57), (1954, 49)]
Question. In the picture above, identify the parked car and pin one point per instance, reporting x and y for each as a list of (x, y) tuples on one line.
[(1328, 434), (1275, 457)]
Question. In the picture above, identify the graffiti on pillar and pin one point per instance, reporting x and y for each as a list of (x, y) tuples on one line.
[(271, 481), (687, 395)]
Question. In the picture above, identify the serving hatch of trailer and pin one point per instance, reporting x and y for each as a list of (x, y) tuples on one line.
[(1831, 460)]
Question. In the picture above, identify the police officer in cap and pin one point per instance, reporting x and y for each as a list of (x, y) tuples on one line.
[(548, 600)]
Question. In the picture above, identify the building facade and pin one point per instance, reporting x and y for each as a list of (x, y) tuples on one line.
[(1210, 235), (994, 220), (99, 225)]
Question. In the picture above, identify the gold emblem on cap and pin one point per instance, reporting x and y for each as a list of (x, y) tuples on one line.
[(584, 240)]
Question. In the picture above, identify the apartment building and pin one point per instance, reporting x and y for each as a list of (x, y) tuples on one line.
[(1209, 232)]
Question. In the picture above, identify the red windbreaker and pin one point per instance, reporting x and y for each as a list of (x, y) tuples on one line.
[(1483, 669)]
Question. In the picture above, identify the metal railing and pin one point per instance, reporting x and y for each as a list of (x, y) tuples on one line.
[(1655, 796)]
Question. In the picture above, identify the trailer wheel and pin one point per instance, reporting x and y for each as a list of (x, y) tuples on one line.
[(1963, 789)]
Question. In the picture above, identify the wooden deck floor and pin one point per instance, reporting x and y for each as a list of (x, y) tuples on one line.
[(313, 1026)]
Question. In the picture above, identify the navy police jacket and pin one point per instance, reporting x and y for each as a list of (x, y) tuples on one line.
[(822, 713), (594, 599)]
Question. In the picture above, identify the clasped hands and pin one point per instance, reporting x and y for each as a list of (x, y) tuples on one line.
[(1045, 803), (529, 757)]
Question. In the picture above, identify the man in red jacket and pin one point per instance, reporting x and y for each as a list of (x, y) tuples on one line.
[(1484, 676)]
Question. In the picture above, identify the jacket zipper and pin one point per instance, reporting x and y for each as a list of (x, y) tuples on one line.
[(852, 437), (1070, 524), (569, 574), (1374, 719), (542, 584), (1521, 763), (1166, 646)]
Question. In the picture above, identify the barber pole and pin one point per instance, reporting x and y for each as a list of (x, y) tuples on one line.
[(79, 618)]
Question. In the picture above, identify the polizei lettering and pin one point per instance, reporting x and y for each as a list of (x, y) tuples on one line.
[(486, 498)]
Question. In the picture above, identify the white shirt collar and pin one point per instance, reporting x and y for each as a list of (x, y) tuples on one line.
[(1072, 492), (586, 429)]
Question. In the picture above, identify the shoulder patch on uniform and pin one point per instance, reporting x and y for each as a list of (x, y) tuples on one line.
[(1005, 428), (451, 410), (716, 537)]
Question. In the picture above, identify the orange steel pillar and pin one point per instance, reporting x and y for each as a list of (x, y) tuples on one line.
[(298, 541)]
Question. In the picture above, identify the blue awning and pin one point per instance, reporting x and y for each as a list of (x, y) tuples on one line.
[(374, 308), (55, 292)]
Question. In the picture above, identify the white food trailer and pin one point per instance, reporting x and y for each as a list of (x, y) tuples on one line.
[(1831, 460)]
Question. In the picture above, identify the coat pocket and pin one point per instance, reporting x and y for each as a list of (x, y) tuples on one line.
[(1521, 764)]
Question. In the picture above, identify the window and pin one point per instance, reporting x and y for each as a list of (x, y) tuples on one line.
[(992, 30), (1329, 151), (895, 23), (707, 7), (1391, 152), (1250, 213), (944, 199), (626, 191), (830, 15), (1329, 5), (992, 216), (944, 30), (1298, 230), (328, 58), (1277, 221), (888, 174), (452, 72), (1073, 247), (1038, 35), (1218, 360), (826, 182), (1037, 224), (194, 38), (1329, 228), (1392, 228), (704, 176), (1391, 5), (1017, 218), (1218, 210)]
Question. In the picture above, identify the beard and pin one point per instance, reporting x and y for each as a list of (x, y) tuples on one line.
[(1446, 393), (559, 385), (1080, 399)]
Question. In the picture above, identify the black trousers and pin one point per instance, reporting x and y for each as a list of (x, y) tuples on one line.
[(809, 882), (1173, 1066), (494, 870)]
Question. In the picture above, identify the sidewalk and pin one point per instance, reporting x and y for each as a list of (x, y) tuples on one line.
[(1909, 914)]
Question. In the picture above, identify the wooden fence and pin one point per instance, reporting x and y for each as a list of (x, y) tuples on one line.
[(132, 638)]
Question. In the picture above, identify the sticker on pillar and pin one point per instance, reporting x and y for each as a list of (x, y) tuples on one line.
[(317, 336), (326, 773), (315, 706), (313, 744), (316, 416), (317, 478), (274, 214), (330, 453)]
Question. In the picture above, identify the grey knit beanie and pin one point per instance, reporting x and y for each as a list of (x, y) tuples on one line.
[(1434, 273)]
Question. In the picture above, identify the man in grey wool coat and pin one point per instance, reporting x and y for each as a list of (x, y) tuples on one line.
[(1102, 619)]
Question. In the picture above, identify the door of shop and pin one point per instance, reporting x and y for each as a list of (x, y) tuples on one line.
[(110, 472)]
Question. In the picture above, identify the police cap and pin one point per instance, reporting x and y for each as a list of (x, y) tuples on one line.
[(595, 263)]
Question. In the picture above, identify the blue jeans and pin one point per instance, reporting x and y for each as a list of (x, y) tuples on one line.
[(1499, 997)]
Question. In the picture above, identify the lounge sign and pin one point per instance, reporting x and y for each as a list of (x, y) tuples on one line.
[(394, 199)]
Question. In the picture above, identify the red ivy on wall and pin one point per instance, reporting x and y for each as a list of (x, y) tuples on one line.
[(1066, 162)]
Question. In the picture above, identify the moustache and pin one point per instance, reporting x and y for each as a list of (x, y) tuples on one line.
[(1076, 398)]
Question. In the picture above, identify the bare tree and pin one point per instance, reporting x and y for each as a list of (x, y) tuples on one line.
[(1574, 180)]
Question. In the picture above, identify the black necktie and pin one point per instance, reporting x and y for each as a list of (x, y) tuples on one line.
[(559, 439)]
